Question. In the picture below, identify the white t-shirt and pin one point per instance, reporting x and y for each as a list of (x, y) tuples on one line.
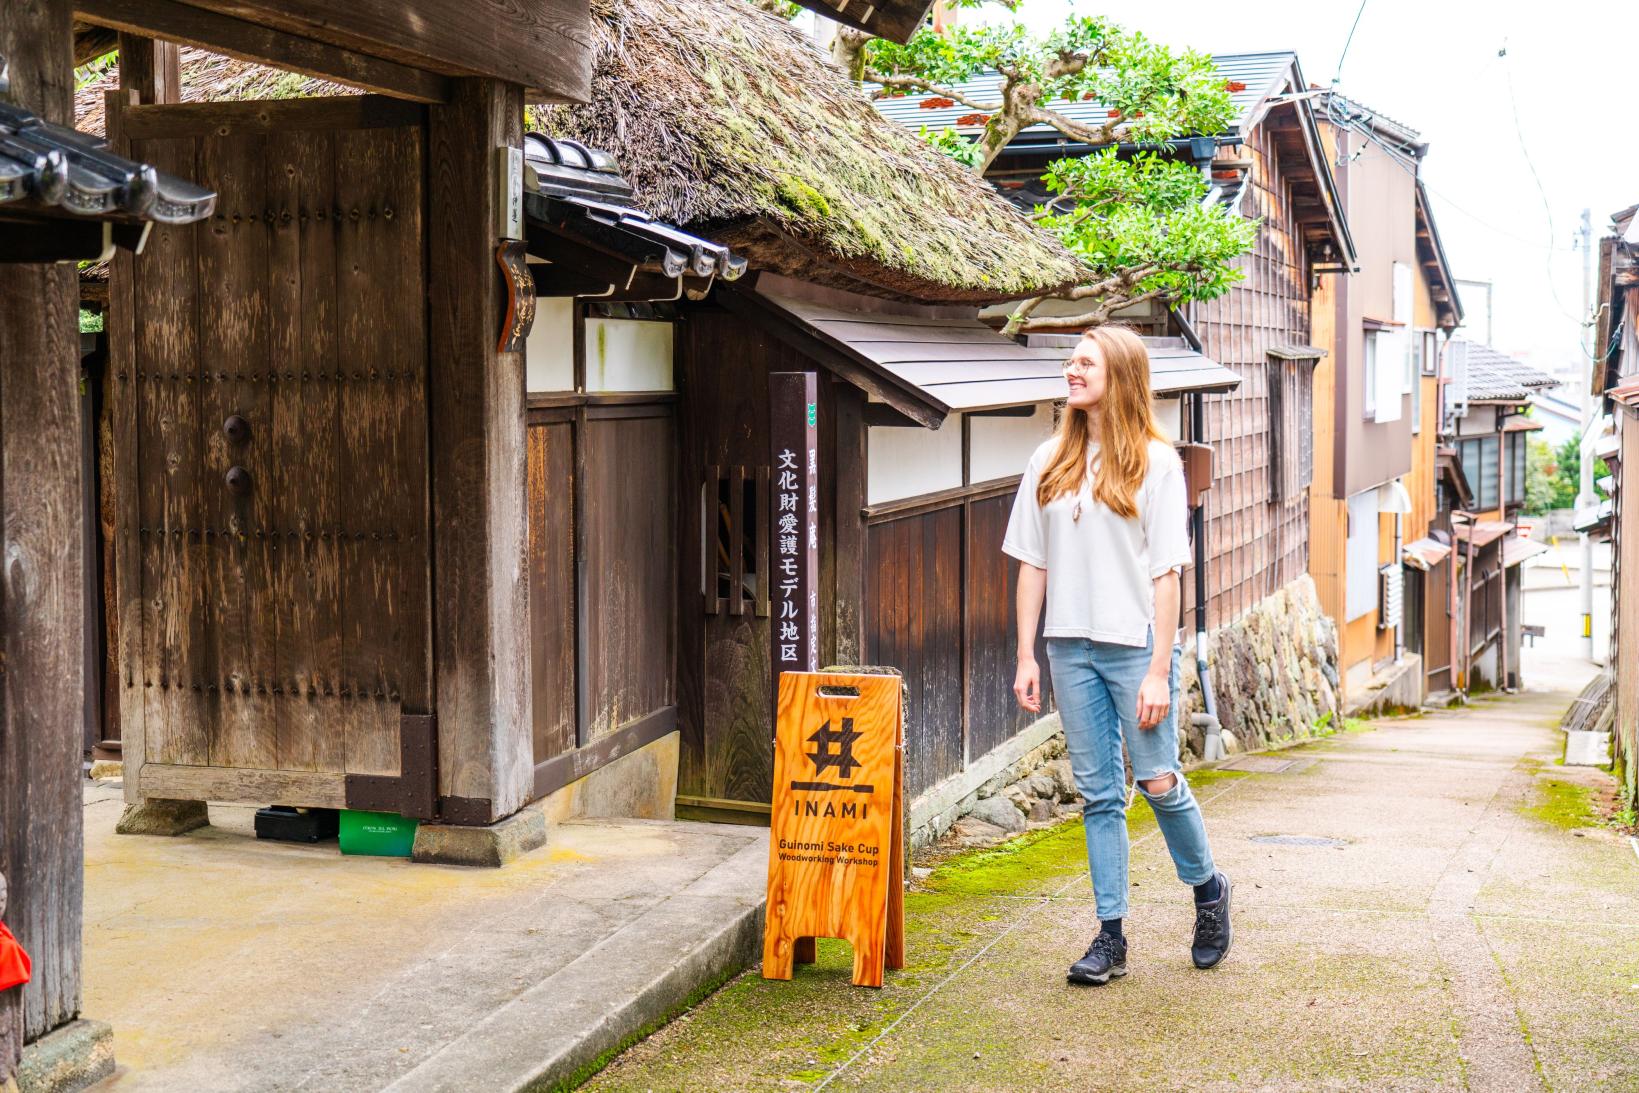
[(1101, 568)]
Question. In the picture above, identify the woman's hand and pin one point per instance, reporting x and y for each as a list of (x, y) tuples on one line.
[(1154, 698), (1027, 684)]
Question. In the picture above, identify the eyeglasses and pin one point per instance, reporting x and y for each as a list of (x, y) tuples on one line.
[(1077, 364)]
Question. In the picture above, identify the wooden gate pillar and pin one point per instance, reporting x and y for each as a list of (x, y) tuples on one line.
[(42, 652), (476, 417)]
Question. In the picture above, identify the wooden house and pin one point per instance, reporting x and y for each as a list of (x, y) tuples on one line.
[(1485, 426), (1373, 498), (1616, 381)]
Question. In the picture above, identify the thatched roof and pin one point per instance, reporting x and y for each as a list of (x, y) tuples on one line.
[(209, 77), (731, 123)]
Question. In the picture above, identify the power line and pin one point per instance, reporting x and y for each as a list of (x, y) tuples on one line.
[(1337, 73), (1547, 207)]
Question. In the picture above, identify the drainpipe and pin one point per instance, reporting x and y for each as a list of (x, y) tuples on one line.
[(1400, 624), (1466, 635), (1207, 721)]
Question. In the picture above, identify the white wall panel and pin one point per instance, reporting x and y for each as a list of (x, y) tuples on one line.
[(628, 355), (1360, 556), (908, 462), (999, 447), (549, 352)]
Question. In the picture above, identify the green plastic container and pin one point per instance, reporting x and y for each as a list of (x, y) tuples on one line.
[(381, 834)]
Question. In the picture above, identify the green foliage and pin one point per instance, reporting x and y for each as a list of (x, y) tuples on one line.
[(1541, 476), (1137, 221), (1150, 92), (954, 145), (95, 69), (1568, 467), (90, 321), (1145, 212)]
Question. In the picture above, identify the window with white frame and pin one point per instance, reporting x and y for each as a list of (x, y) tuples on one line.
[(1370, 407), (1360, 556)]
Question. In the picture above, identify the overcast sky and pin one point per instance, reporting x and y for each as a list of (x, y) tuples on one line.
[(1434, 65)]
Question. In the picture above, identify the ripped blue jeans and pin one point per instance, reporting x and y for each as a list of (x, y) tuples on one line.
[(1096, 684)]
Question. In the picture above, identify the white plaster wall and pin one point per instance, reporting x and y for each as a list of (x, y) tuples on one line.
[(1001, 446), (1169, 414), (628, 355), (908, 462), (549, 351)]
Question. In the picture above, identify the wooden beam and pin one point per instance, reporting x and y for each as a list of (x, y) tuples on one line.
[(178, 22), (543, 45), (91, 42), (42, 602), (479, 461), (222, 119), (151, 68)]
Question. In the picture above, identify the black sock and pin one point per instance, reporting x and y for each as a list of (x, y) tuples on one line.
[(1111, 926), (1208, 890)]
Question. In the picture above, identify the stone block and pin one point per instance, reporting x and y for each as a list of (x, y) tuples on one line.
[(67, 1059), (1587, 749), (490, 846), (161, 816), (1000, 812)]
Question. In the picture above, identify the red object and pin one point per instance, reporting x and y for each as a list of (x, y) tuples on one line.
[(15, 965), (973, 119), (938, 102), (1234, 85)]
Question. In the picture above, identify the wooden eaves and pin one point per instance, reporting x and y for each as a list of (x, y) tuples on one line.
[(409, 49)]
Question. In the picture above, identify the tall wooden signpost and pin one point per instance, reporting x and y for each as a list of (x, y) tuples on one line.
[(794, 523), (836, 855)]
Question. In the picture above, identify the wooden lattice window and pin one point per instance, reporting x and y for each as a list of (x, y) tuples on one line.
[(1291, 426)]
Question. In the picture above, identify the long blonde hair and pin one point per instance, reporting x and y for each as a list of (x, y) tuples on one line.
[(1126, 428)]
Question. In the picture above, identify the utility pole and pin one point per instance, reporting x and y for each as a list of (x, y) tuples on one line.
[(1590, 409)]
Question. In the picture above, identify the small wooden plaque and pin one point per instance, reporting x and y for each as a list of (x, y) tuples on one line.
[(836, 839), (519, 316)]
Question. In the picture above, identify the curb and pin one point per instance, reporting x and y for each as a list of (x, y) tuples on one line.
[(553, 1034)]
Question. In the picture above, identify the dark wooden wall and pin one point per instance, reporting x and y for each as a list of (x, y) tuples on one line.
[(939, 606), (1256, 542), (603, 553), (725, 705), (41, 596)]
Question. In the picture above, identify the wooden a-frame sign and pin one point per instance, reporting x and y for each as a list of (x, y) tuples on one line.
[(836, 854)]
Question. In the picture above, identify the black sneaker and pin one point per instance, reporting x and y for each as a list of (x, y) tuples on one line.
[(1211, 942), (1106, 958)]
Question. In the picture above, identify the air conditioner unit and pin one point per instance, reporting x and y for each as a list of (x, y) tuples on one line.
[(1456, 366), (1391, 588)]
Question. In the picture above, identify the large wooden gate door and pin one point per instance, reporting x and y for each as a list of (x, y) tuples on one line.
[(272, 605)]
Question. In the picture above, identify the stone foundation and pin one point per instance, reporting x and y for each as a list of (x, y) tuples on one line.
[(1274, 673)]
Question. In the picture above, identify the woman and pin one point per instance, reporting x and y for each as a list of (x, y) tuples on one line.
[(1099, 529)]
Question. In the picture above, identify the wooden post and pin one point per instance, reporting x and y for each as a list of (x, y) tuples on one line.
[(151, 68), (476, 418), (42, 671), (851, 559)]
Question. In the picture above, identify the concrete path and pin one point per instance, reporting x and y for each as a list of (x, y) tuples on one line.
[(1431, 903), (225, 963)]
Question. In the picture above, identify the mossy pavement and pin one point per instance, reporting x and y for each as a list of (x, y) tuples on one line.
[(1457, 824)]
